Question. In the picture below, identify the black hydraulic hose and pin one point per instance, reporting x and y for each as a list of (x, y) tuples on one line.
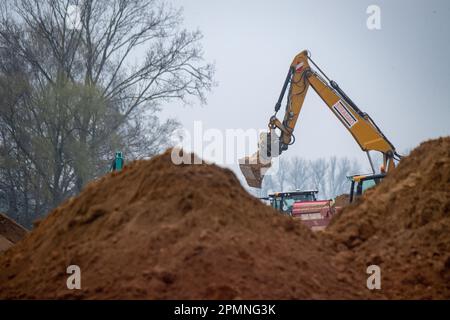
[(347, 99), (318, 68), (344, 96), (283, 90), (336, 87)]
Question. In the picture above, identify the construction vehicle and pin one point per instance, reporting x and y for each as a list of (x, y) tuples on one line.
[(303, 205), (360, 183), (316, 214), (360, 125)]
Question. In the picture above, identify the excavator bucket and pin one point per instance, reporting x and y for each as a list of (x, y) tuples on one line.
[(253, 170), (254, 167)]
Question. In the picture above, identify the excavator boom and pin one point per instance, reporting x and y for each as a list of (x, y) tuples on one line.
[(299, 78)]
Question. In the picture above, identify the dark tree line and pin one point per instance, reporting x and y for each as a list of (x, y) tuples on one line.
[(81, 79), (328, 176)]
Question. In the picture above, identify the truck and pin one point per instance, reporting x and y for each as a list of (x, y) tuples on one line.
[(304, 206)]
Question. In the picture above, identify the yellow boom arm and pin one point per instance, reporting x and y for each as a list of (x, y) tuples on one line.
[(300, 77)]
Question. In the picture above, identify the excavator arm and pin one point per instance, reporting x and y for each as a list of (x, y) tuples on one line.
[(298, 80)]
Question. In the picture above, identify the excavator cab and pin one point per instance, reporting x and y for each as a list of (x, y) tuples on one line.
[(361, 183)]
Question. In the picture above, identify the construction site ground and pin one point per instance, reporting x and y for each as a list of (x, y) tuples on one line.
[(157, 230)]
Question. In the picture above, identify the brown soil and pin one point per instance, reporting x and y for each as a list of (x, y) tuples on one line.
[(342, 200), (157, 230), (403, 226), (10, 231), (5, 244)]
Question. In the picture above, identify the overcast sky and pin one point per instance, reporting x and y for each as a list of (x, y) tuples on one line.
[(400, 74)]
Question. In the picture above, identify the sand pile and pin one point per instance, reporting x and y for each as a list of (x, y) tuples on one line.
[(342, 200), (403, 226), (10, 232), (157, 230)]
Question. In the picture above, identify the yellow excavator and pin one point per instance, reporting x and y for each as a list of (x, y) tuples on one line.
[(361, 126)]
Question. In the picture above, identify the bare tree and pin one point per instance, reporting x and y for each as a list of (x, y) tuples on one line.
[(328, 176), (299, 173), (338, 171), (319, 169), (77, 88), (268, 186), (332, 177), (282, 174)]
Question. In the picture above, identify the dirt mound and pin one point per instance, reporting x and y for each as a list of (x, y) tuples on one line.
[(159, 230), (403, 226), (5, 244), (342, 200), (10, 232)]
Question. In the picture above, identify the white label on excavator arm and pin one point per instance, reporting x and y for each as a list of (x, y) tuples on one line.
[(298, 68), (346, 116)]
